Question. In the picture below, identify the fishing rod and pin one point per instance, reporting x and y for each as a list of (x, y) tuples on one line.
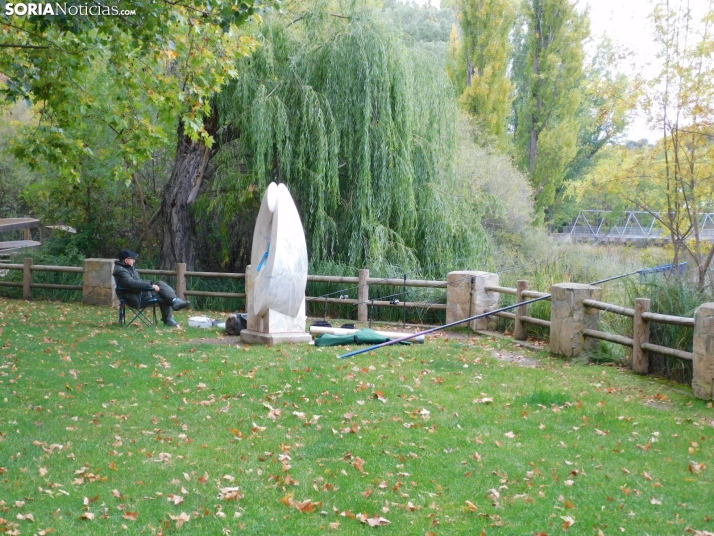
[(476, 317)]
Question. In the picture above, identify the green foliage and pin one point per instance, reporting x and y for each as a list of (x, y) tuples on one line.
[(484, 49), (160, 64), (609, 98), (14, 176), (503, 197), (361, 129), (107, 215), (671, 179), (673, 296), (428, 26), (549, 78)]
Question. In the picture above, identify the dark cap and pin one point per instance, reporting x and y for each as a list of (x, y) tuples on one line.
[(126, 254)]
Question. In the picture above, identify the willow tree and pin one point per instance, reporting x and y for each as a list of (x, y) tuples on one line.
[(362, 131), (549, 74), (483, 48)]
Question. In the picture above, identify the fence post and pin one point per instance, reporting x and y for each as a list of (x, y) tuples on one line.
[(460, 299), (181, 280), (569, 317), (27, 279), (640, 334), (98, 286), (363, 295), (520, 330), (703, 347)]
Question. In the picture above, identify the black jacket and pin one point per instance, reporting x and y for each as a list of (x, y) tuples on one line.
[(128, 278)]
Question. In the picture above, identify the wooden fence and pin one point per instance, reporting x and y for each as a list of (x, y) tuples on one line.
[(362, 283), (641, 315), (461, 300)]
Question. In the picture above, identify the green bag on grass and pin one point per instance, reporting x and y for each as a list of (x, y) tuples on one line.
[(363, 336)]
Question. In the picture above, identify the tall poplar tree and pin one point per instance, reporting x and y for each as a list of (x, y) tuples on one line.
[(483, 49), (549, 73)]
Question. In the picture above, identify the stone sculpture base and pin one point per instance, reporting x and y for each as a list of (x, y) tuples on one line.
[(256, 337)]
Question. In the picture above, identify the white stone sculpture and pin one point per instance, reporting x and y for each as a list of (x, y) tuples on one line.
[(276, 279)]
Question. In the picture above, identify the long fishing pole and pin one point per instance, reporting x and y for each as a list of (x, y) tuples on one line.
[(472, 318)]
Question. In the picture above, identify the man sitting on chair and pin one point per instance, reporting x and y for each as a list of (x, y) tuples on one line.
[(137, 290)]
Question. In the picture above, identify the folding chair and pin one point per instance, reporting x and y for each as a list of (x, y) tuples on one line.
[(139, 312)]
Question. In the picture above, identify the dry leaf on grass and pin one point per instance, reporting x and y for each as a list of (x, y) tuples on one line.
[(176, 499), (180, 519), (695, 467), (230, 494), (567, 521), (306, 506), (375, 521)]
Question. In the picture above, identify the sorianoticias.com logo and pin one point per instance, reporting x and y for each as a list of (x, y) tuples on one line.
[(23, 9)]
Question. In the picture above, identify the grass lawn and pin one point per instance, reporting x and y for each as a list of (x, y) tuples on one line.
[(108, 430)]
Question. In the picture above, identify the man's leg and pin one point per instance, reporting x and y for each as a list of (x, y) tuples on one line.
[(167, 295), (167, 314)]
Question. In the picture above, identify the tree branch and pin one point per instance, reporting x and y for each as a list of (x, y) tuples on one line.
[(23, 46)]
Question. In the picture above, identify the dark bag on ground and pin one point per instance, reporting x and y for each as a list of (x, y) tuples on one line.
[(235, 323)]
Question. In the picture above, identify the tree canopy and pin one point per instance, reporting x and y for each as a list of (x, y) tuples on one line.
[(137, 71), (362, 130)]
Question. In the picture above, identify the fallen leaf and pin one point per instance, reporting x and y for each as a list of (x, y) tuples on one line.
[(176, 499), (567, 521), (131, 516), (230, 493), (87, 515), (180, 519), (471, 506), (695, 467), (379, 395), (376, 521)]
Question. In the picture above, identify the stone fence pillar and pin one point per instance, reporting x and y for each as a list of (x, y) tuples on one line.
[(466, 296), (568, 318), (703, 374), (99, 287)]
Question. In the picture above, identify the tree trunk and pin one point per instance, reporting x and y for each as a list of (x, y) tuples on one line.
[(536, 116), (191, 171), (179, 232)]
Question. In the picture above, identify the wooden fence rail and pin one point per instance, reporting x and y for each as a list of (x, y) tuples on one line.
[(639, 342), (361, 283)]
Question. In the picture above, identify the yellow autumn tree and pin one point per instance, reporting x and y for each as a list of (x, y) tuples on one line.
[(673, 180)]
